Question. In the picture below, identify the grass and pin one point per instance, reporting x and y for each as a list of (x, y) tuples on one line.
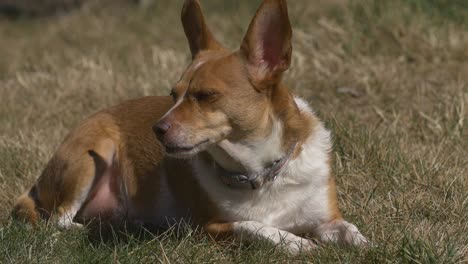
[(389, 78)]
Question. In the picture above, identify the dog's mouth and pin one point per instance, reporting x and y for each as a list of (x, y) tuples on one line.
[(177, 150)]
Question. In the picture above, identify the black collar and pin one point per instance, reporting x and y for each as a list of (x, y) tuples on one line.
[(255, 180)]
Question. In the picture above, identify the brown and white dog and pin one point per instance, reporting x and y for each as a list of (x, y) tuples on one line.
[(237, 153)]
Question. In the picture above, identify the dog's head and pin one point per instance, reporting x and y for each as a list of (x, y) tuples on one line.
[(224, 94)]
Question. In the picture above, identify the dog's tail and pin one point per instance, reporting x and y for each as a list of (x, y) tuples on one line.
[(27, 207)]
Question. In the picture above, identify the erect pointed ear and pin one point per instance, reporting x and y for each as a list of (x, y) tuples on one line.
[(198, 35), (267, 43)]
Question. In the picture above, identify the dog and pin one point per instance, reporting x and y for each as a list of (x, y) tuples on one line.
[(231, 149)]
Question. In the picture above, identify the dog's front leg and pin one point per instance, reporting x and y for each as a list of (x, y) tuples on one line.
[(252, 231)]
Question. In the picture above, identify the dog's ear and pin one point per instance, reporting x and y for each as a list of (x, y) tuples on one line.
[(267, 43), (198, 35)]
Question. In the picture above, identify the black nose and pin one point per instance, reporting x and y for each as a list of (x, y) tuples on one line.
[(161, 128)]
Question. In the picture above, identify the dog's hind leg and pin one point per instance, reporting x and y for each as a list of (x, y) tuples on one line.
[(66, 183), (81, 181)]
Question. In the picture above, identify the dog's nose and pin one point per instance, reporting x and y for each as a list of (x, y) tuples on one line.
[(161, 128)]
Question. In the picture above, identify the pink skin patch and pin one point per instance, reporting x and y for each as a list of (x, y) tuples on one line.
[(272, 44), (103, 200)]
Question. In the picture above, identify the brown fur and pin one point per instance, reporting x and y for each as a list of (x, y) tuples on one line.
[(25, 210), (335, 213), (198, 34), (234, 81), (127, 127), (219, 231), (190, 194)]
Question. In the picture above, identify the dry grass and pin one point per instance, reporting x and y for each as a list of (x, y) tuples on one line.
[(390, 78)]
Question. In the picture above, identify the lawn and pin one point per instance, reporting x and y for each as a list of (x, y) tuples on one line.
[(389, 78)]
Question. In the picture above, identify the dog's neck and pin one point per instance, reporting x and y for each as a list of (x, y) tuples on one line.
[(250, 156), (254, 156)]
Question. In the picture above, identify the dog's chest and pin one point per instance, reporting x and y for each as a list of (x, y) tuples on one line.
[(287, 203)]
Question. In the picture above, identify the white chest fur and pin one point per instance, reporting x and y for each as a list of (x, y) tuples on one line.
[(296, 201)]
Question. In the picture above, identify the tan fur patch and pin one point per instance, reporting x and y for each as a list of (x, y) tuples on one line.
[(219, 231), (335, 213), (25, 210)]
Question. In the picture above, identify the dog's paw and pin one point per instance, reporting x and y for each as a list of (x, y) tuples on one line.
[(66, 223), (357, 239), (296, 245), (341, 232)]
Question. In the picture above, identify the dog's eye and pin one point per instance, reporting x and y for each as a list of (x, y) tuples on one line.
[(201, 96)]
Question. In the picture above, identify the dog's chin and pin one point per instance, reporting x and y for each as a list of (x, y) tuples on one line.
[(186, 152)]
